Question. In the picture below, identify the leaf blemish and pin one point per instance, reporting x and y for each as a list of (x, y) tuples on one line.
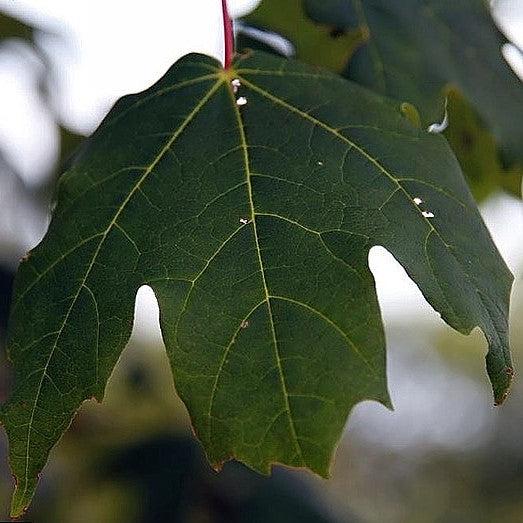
[(235, 85)]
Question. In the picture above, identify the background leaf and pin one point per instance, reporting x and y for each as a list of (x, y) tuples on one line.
[(476, 150), (315, 44), (251, 215), (12, 28)]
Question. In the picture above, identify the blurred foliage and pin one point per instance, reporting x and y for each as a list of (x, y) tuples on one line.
[(12, 28), (177, 485), (437, 486), (315, 44), (476, 150)]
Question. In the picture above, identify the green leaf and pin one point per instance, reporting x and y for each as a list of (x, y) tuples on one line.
[(12, 28), (252, 223), (476, 150), (413, 50), (315, 44), (70, 141)]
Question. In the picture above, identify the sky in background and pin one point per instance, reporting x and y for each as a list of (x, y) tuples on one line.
[(98, 60)]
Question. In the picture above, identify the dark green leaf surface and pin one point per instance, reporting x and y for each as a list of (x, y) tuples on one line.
[(252, 223)]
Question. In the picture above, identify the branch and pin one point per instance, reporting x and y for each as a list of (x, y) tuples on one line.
[(228, 35)]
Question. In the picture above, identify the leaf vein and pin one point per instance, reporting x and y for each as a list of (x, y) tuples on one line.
[(137, 186), (245, 147)]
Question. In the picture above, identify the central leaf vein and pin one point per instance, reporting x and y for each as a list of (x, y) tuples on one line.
[(246, 160)]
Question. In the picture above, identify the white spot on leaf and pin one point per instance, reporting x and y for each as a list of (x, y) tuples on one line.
[(236, 84)]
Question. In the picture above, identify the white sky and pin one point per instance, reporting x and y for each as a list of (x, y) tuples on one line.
[(96, 64), (101, 60)]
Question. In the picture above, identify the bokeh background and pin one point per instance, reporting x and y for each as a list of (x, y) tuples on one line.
[(445, 453)]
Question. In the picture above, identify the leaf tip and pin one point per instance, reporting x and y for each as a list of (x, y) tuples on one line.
[(217, 466), (19, 503), (501, 387), (386, 401), (22, 497)]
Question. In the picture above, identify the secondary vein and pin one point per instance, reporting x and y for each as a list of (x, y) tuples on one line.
[(106, 232)]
